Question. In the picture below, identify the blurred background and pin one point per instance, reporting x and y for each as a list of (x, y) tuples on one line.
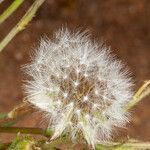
[(122, 24)]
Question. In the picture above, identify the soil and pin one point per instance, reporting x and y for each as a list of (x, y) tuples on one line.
[(122, 24)]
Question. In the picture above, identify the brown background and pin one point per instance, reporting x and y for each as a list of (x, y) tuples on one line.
[(123, 24)]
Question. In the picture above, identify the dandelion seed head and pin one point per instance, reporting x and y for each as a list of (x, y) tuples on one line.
[(80, 85)]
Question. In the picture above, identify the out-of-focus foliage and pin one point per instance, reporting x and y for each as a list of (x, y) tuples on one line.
[(22, 143)]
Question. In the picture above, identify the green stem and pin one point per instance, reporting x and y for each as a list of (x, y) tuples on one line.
[(143, 91), (112, 145), (10, 10), (22, 23), (25, 130), (124, 146)]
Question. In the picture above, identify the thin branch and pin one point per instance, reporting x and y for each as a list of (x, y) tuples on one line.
[(143, 91), (22, 23), (10, 10), (126, 145), (25, 130)]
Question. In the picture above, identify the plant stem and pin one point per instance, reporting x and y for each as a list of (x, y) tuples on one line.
[(143, 91), (124, 146), (22, 23), (26, 130), (10, 10)]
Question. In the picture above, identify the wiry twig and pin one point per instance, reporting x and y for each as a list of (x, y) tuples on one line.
[(143, 91), (22, 23), (25, 130), (136, 145), (10, 10)]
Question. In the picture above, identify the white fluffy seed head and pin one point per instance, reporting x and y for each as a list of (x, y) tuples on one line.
[(80, 85)]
